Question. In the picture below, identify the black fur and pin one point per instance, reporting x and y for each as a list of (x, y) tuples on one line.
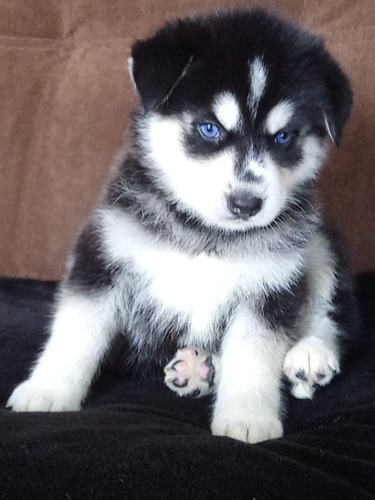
[(90, 271), (180, 69), (210, 50), (345, 309), (282, 308)]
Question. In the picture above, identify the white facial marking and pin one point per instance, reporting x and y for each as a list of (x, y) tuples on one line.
[(258, 82), (313, 155), (227, 111), (175, 169), (279, 117)]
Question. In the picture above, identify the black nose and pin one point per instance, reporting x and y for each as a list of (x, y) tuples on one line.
[(243, 204)]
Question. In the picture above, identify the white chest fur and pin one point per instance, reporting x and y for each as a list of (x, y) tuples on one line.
[(195, 287)]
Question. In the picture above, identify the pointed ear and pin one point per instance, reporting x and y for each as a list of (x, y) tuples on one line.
[(339, 100), (159, 64)]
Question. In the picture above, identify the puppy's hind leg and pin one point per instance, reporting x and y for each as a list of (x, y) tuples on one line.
[(81, 333)]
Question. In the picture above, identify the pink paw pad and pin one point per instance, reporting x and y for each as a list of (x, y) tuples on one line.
[(190, 373)]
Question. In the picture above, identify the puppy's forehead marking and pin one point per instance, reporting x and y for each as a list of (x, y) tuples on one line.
[(279, 117), (227, 111), (258, 81)]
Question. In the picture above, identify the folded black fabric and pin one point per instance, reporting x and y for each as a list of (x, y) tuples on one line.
[(136, 440)]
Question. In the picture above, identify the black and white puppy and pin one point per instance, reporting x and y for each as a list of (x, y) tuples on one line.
[(208, 234)]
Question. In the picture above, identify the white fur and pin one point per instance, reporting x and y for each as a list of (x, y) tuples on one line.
[(174, 168), (329, 129), (258, 82), (248, 396), (313, 155), (171, 277), (322, 282), (321, 263), (317, 359), (131, 70), (227, 111), (179, 172), (316, 354), (271, 188), (81, 333), (279, 117)]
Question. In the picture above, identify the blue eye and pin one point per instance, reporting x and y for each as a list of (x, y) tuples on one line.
[(282, 138), (209, 131)]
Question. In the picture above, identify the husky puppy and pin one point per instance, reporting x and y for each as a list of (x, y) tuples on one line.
[(208, 239)]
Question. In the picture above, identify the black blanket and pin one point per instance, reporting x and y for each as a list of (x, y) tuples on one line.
[(137, 440)]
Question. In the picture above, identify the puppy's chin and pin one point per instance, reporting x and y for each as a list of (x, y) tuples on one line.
[(228, 222), (244, 225)]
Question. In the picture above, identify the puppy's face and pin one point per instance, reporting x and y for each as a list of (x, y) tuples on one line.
[(239, 122), (221, 169)]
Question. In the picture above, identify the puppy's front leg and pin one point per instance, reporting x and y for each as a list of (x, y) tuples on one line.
[(248, 397), (80, 335)]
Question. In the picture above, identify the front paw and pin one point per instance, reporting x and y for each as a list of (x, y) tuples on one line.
[(192, 373), (31, 396), (247, 427), (309, 363)]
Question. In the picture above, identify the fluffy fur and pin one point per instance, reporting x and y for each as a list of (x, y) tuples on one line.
[(209, 234)]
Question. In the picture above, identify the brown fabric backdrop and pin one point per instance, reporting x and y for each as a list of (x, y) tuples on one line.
[(65, 97)]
